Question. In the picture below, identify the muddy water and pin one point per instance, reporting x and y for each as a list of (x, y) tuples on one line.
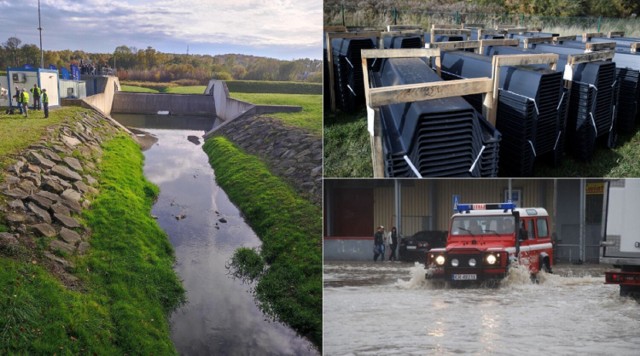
[(388, 308), (221, 316)]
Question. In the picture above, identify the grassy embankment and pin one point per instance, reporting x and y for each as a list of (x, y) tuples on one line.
[(290, 288), (129, 286)]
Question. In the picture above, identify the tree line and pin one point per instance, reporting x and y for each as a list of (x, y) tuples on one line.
[(149, 64), (565, 8)]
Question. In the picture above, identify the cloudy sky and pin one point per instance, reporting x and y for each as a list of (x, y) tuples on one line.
[(284, 29)]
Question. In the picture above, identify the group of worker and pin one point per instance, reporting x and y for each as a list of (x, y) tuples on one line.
[(40, 97)]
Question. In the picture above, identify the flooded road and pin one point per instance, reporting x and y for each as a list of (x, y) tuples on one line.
[(205, 228), (388, 308)]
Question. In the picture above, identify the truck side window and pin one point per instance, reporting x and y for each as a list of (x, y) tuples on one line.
[(530, 230), (543, 231)]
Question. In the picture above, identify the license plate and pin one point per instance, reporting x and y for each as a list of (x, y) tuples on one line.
[(465, 277), (411, 247)]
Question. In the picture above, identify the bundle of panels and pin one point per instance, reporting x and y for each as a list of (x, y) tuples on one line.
[(592, 104), (402, 42), (439, 137), (531, 109), (347, 69), (628, 76)]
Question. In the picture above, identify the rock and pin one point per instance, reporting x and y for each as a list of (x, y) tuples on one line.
[(91, 180), (7, 239), (36, 158), (27, 186), (16, 193), (62, 246), (316, 171), (33, 168), (65, 173), (73, 163), (67, 221), (73, 205), (80, 186), (11, 180), (66, 264), (41, 213), (16, 204), (16, 167), (71, 195), (193, 139), (59, 208), (70, 236), (181, 216), (33, 178), (83, 247), (61, 149), (52, 186), (15, 218), (45, 230), (48, 195), (51, 155), (222, 220), (69, 141), (42, 202)]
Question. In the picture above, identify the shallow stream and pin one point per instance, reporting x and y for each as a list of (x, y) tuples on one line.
[(205, 228)]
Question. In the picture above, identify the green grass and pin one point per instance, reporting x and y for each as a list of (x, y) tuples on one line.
[(195, 89), (128, 283), (310, 118), (267, 87), (623, 161), (290, 229), (347, 147), (18, 132), (137, 89)]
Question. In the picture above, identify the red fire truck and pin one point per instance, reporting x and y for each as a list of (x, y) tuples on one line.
[(484, 240)]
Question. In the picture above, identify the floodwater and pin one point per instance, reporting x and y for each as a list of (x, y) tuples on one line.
[(220, 316), (389, 308)]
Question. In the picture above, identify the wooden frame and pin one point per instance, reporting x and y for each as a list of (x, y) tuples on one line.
[(599, 46), (478, 46), (557, 39), (329, 37), (589, 35), (444, 31), (535, 40), (634, 46), (489, 87), (613, 34)]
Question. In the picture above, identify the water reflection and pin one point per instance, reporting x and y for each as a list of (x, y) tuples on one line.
[(221, 316)]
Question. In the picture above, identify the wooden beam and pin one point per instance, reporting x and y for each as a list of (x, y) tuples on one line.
[(564, 38), (599, 46), (613, 34), (449, 32), (454, 45), (400, 53), (426, 91), (472, 25), (590, 57), (446, 26), (497, 42), (535, 40), (526, 59), (391, 28), (589, 35), (377, 152), (337, 28)]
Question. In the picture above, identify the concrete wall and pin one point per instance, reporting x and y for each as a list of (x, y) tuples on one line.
[(227, 108), (103, 101), (144, 103), (351, 249)]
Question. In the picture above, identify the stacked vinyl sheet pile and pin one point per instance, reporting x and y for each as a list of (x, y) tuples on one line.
[(628, 76), (531, 111), (402, 42), (592, 106), (347, 67), (439, 137)]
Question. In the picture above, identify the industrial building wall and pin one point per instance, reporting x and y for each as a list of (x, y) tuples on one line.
[(4, 83)]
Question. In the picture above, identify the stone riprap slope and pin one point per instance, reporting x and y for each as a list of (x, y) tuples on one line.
[(47, 187), (291, 153)]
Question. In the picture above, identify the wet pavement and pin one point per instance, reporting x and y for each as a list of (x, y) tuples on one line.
[(389, 308)]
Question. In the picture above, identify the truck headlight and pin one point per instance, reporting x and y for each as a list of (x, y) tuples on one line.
[(491, 259), (455, 262), (472, 262), (440, 260)]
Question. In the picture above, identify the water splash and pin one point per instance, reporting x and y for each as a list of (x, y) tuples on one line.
[(417, 280)]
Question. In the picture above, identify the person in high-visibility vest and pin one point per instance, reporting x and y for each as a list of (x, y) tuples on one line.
[(45, 103), (25, 102), (18, 97), (36, 96)]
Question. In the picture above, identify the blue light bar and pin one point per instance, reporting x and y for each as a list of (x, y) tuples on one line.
[(465, 208)]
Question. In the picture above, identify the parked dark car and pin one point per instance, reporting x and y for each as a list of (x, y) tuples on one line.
[(414, 248)]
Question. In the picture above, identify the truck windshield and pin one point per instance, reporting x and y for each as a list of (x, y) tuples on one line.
[(483, 225)]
